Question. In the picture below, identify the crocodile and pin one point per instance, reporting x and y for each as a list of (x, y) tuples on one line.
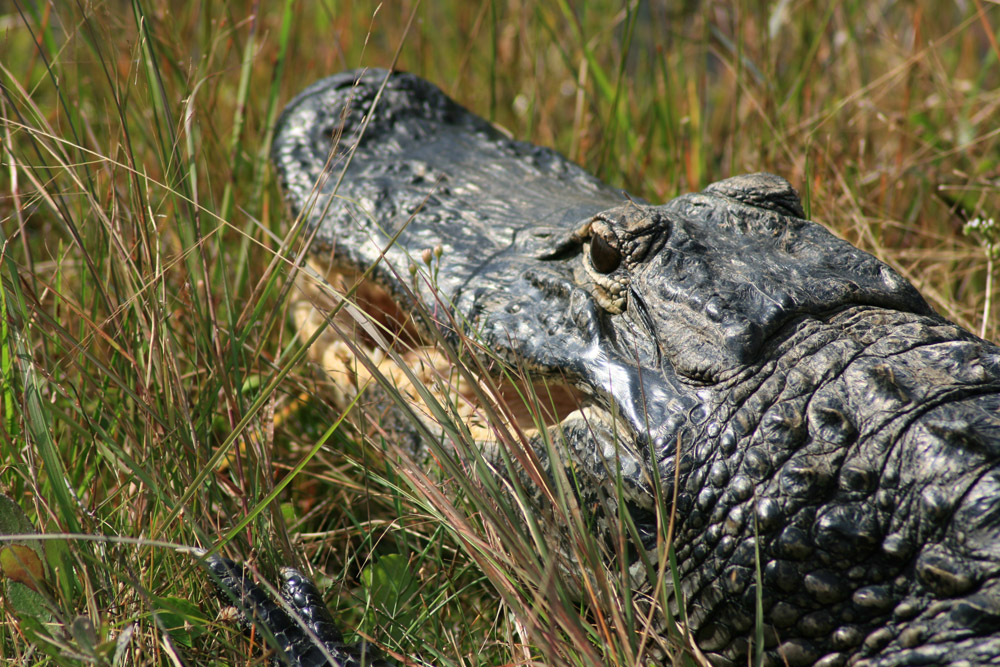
[(797, 401)]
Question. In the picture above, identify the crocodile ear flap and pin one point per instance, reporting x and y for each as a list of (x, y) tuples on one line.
[(763, 190), (560, 243)]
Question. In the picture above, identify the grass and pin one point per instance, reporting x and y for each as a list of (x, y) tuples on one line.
[(153, 392)]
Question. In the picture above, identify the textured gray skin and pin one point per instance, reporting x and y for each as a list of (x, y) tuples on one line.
[(313, 639), (824, 411)]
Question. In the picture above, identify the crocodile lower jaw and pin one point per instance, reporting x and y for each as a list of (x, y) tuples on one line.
[(373, 326)]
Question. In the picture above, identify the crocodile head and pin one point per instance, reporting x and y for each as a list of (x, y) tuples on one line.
[(803, 393), (638, 307)]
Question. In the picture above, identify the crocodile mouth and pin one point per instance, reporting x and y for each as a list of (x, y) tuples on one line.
[(372, 340)]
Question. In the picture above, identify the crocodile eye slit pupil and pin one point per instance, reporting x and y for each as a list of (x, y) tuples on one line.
[(604, 258)]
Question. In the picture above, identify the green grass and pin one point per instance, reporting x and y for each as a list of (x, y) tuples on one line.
[(145, 272)]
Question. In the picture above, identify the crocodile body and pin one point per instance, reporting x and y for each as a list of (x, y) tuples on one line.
[(822, 411)]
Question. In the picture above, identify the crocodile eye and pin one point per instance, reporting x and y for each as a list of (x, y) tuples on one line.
[(604, 257)]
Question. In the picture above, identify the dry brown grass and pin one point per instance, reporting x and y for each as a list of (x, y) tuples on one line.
[(144, 273)]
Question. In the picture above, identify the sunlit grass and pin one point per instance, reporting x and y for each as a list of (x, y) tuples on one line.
[(153, 388)]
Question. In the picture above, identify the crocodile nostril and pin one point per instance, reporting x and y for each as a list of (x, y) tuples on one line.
[(603, 256)]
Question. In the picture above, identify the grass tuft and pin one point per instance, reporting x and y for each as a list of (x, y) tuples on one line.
[(154, 396)]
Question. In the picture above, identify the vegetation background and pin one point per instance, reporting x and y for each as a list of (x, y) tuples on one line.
[(152, 395)]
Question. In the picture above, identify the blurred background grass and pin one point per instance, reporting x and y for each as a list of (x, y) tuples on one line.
[(144, 337)]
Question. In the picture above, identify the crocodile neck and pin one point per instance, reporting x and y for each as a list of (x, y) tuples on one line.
[(805, 457)]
